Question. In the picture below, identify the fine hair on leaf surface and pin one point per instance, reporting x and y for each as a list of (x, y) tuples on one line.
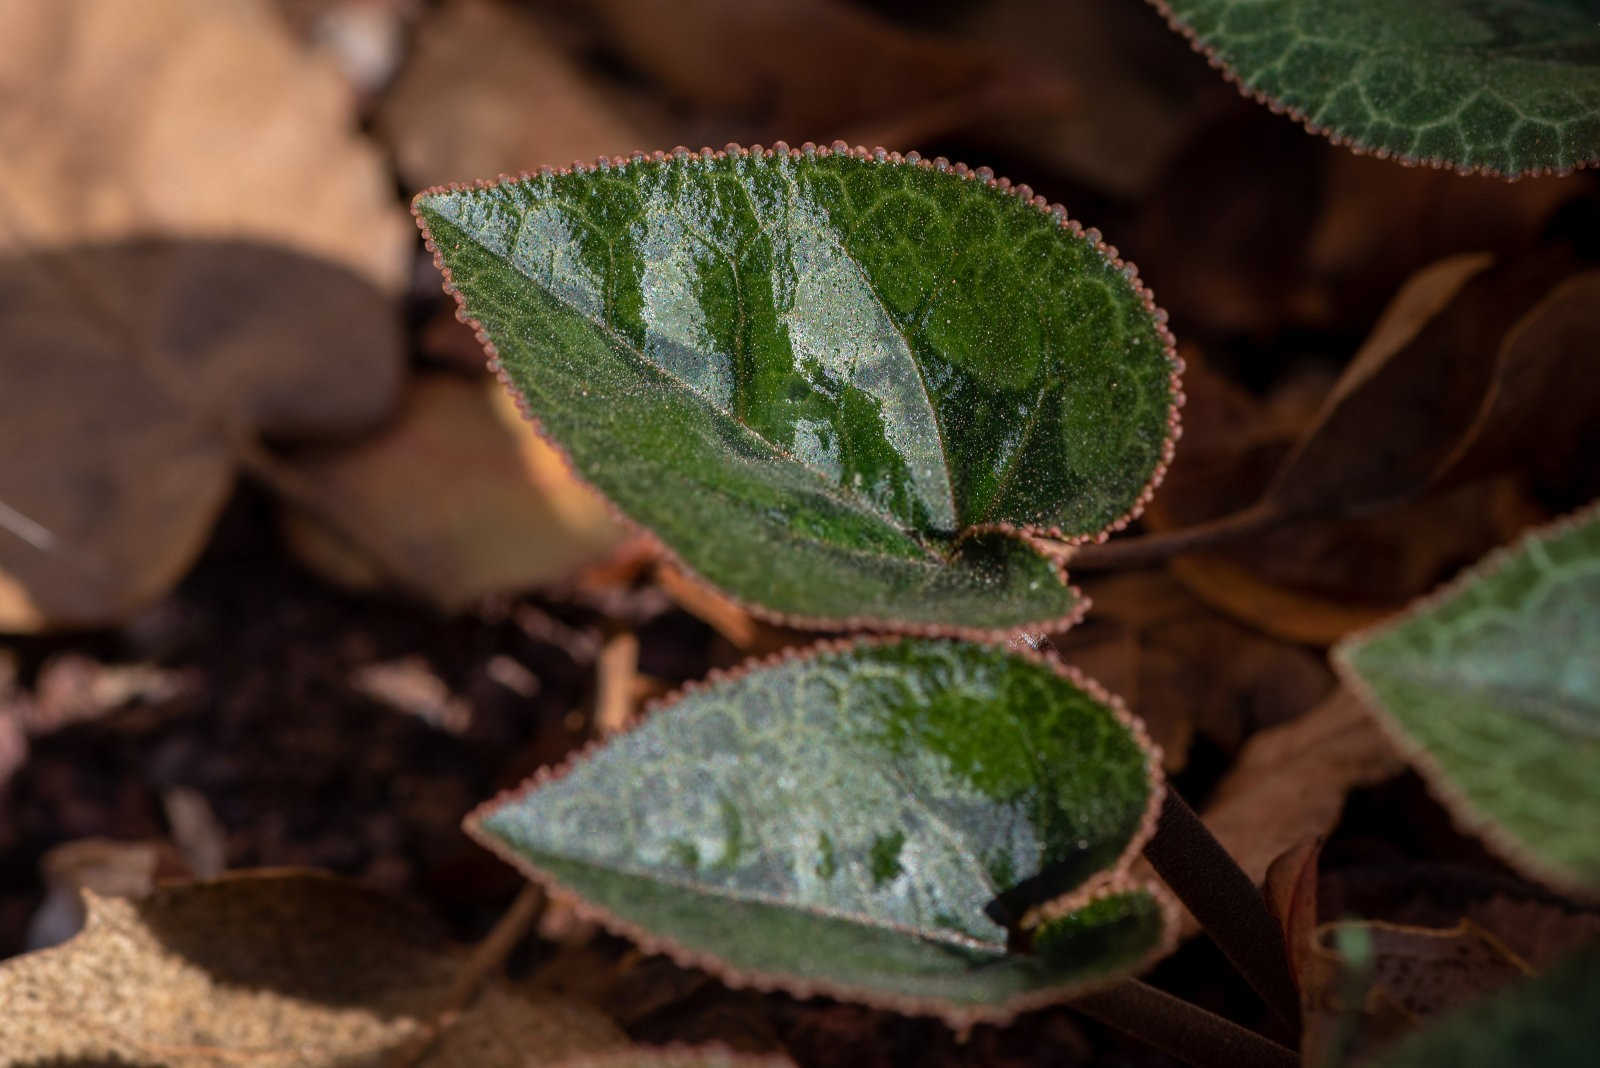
[(1495, 87), (840, 820), (845, 387)]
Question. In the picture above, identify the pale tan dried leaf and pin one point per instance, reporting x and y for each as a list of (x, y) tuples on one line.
[(187, 118), (467, 499), (271, 969)]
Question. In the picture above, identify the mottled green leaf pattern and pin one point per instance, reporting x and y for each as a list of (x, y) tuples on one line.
[(843, 820), (1493, 685), (1502, 86), (1552, 1021), (829, 382)]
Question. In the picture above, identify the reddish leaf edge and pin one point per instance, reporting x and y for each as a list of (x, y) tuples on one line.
[(1116, 879), (1464, 812), (1278, 107), (1024, 532)]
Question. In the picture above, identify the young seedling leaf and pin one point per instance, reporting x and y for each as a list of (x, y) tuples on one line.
[(1492, 685), (836, 384), (1549, 1021), (854, 820), (1506, 87)]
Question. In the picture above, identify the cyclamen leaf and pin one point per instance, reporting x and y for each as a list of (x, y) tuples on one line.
[(845, 820), (1506, 87), (833, 384), (1492, 685)]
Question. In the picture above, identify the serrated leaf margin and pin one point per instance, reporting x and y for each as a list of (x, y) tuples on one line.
[(1278, 107), (1024, 533), (1464, 812), (1114, 880)]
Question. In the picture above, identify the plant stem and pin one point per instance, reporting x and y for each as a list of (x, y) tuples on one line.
[(1158, 548), (1227, 904), (1182, 1030)]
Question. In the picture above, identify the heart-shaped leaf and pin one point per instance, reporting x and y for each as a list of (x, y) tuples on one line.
[(836, 384), (1506, 87), (1492, 686), (877, 821)]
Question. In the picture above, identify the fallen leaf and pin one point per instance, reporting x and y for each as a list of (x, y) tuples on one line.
[(73, 688), (282, 968), (838, 67), (1290, 888), (1536, 413), (714, 1056), (1148, 99), (460, 493), (1289, 782), (486, 92), (176, 354), (1358, 1000), (191, 119)]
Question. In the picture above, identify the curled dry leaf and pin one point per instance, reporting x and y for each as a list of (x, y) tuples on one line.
[(175, 353), (460, 493), (187, 119), (280, 968), (1290, 782)]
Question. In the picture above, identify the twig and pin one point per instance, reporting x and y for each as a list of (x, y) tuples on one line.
[(1158, 548), (1183, 1030), (1226, 903), (487, 958)]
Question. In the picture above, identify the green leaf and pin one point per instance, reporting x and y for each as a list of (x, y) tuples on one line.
[(833, 384), (1492, 685), (1503, 87), (1552, 1021), (846, 820)]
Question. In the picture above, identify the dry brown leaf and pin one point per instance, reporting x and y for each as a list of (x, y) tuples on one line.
[(1413, 390), (1427, 215), (1184, 669), (1290, 781), (802, 69), (1145, 96), (1404, 976), (458, 491), (187, 118), (137, 370), (1277, 610), (1290, 888), (1537, 412), (277, 968), (714, 1056), (487, 93)]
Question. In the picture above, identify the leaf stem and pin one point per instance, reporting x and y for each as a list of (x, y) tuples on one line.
[(1181, 1029), (1158, 548), (1227, 904)]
